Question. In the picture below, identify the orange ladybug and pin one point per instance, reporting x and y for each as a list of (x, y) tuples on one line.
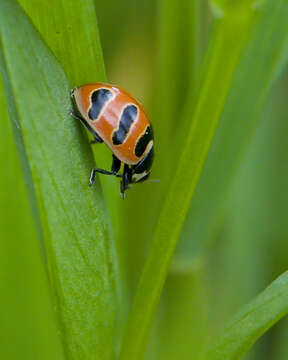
[(113, 116)]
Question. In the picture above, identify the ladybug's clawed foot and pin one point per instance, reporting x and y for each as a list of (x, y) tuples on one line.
[(123, 187)]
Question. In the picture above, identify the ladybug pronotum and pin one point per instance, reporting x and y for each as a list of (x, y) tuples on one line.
[(113, 116)]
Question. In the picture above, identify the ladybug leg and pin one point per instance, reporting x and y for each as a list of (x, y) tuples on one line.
[(97, 139), (100, 171), (126, 180), (116, 164)]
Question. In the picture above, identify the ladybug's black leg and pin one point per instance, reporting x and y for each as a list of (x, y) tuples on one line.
[(100, 171), (126, 180), (116, 164), (97, 139)]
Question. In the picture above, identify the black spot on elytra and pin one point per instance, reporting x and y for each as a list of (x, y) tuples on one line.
[(98, 99), (144, 141), (128, 116), (145, 164)]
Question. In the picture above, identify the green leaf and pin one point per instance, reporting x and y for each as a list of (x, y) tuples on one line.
[(252, 321), (27, 328), (261, 203), (59, 159), (178, 45), (257, 225), (228, 36), (70, 30), (254, 77), (174, 52)]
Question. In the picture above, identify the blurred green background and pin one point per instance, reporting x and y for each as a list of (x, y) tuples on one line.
[(211, 277)]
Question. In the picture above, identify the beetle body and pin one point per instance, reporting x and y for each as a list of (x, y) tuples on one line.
[(112, 115)]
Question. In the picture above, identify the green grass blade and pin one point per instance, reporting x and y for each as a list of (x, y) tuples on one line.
[(178, 59), (70, 29), (27, 328), (72, 216), (218, 72), (264, 54), (252, 321), (257, 225), (174, 52)]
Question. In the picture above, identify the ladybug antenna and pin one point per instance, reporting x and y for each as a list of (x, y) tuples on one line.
[(153, 180)]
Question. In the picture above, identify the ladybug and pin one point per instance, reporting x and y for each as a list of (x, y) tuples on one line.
[(113, 116)]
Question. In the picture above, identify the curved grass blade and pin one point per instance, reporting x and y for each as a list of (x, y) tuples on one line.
[(252, 321), (218, 74), (70, 30), (257, 226), (266, 52), (73, 217), (27, 327)]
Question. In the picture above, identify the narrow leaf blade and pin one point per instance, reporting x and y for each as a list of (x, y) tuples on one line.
[(73, 217), (252, 321), (265, 53), (218, 74), (27, 327)]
